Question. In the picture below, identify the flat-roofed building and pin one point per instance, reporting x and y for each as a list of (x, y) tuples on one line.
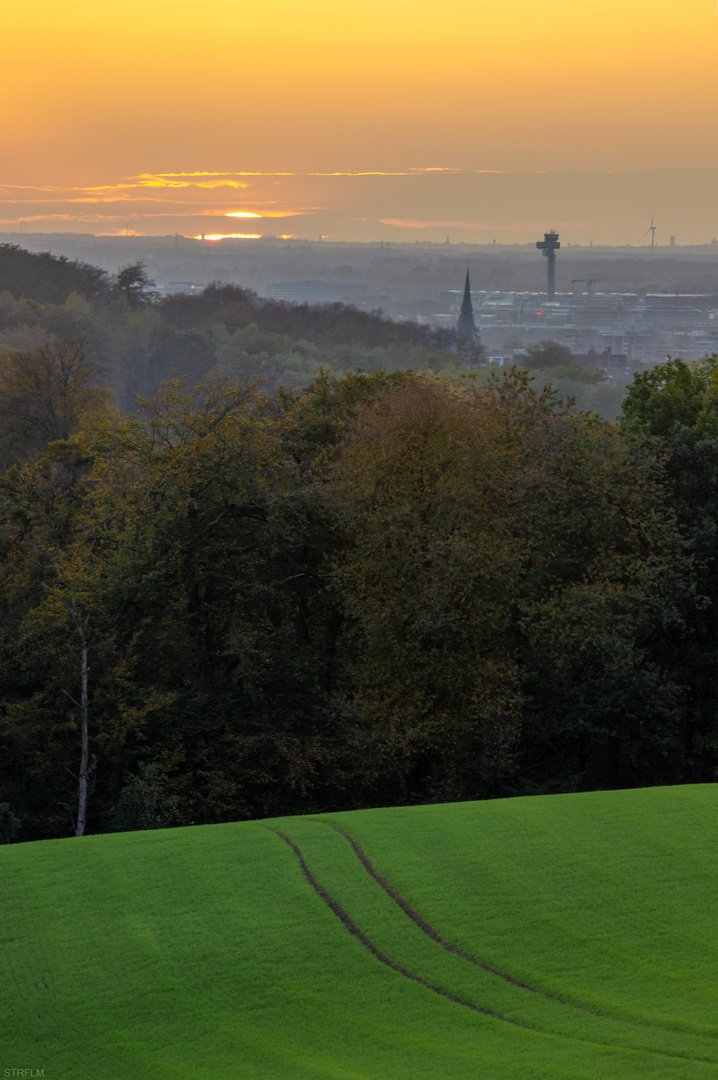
[(315, 292)]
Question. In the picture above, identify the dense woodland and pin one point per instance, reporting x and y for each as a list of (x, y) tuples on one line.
[(139, 340), (374, 587)]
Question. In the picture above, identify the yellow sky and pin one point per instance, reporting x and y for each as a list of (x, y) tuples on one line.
[(102, 91)]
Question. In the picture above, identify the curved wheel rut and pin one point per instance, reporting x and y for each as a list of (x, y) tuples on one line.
[(429, 930), (352, 927), (369, 945)]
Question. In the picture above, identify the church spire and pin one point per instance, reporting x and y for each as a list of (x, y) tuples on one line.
[(466, 328)]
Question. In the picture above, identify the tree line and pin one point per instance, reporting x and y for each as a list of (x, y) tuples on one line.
[(385, 588), (139, 339)]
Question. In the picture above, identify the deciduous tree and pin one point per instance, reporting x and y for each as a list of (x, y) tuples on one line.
[(46, 395)]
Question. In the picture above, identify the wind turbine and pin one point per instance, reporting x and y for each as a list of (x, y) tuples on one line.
[(652, 230)]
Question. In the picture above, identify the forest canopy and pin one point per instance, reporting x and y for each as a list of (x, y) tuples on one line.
[(379, 587), (139, 339), (385, 589)]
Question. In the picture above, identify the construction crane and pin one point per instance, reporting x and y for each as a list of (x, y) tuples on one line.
[(588, 281)]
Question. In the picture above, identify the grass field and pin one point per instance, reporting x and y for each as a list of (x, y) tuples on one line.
[(561, 936)]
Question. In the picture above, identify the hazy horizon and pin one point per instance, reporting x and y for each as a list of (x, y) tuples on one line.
[(423, 204), (359, 122)]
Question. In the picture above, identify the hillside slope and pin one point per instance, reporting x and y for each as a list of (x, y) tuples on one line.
[(560, 936)]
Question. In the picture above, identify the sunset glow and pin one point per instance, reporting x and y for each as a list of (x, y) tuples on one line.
[(229, 236), (142, 106)]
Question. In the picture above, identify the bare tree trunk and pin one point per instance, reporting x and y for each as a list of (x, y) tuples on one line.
[(85, 752), (85, 767)]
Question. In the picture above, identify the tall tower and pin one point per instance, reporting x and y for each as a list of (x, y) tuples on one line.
[(548, 247), (466, 327)]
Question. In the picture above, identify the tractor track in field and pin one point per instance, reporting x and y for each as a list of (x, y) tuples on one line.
[(353, 929), (349, 924), (429, 930)]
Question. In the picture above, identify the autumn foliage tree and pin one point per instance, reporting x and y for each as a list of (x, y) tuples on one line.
[(46, 394), (186, 557), (422, 486), (505, 563), (676, 404), (385, 589)]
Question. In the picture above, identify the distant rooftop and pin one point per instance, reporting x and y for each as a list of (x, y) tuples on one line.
[(182, 287), (315, 292)]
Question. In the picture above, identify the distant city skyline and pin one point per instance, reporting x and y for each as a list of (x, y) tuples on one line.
[(419, 204)]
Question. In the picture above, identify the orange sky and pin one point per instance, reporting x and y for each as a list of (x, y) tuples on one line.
[(101, 93)]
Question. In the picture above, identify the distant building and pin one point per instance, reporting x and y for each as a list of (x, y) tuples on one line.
[(315, 292), (466, 327), (614, 364), (506, 357), (188, 287)]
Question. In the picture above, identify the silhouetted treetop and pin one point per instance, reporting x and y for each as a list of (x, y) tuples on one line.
[(47, 278), (135, 284), (338, 323)]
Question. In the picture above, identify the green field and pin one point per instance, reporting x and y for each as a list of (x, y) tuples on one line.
[(209, 952)]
